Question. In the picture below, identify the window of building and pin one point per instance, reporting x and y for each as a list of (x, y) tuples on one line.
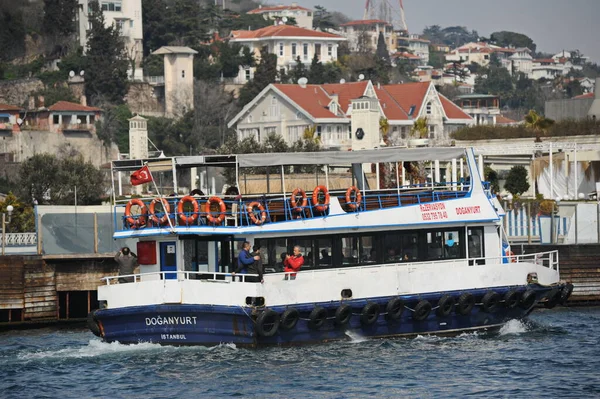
[(183, 73), (281, 49), (429, 108), (55, 119), (131, 24), (330, 50), (111, 6), (298, 115), (247, 74), (305, 51), (319, 129), (120, 25), (294, 50), (318, 50), (431, 131), (249, 118), (271, 130)]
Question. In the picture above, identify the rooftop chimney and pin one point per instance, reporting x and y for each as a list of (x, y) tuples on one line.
[(594, 111)]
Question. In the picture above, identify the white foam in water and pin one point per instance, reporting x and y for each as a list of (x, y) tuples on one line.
[(355, 337), (513, 327), (93, 349)]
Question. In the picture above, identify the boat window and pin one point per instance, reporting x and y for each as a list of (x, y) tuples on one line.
[(475, 245), (400, 247), (451, 244), (324, 251), (358, 250), (434, 245)]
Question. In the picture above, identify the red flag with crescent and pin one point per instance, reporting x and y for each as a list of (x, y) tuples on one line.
[(141, 176)]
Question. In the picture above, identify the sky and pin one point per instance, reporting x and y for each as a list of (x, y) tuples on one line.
[(554, 25)]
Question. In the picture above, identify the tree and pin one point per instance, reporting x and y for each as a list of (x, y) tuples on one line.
[(23, 218), (516, 181), (537, 123), (214, 107), (106, 74), (114, 126), (59, 24), (420, 128), (265, 74), (491, 176), (298, 71), (12, 34), (56, 93), (514, 39), (47, 179), (382, 51), (316, 74), (494, 80), (322, 19)]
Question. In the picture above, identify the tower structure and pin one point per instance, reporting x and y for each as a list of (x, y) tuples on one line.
[(391, 11)]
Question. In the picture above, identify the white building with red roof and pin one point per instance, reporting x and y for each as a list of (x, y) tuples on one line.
[(302, 15), (362, 35), (336, 112), (287, 43)]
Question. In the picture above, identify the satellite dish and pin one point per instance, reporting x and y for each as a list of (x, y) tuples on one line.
[(342, 81), (19, 121), (361, 76), (81, 73), (78, 121), (284, 19), (302, 81), (72, 73)]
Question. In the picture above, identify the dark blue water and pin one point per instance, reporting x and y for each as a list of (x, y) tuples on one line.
[(554, 354)]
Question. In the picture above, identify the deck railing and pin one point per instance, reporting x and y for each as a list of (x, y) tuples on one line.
[(546, 259), (277, 208)]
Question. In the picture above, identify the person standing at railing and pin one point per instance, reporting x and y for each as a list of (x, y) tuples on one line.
[(293, 263), (127, 262), (245, 259)]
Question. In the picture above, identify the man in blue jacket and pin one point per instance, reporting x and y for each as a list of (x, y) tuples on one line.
[(245, 259)]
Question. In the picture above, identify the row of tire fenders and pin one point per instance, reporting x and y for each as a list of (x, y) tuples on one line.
[(269, 321), (255, 210)]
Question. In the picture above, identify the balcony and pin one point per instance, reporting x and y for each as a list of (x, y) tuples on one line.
[(75, 128), (155, 80)]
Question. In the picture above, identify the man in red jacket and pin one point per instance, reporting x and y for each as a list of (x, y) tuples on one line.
[(293, 263)]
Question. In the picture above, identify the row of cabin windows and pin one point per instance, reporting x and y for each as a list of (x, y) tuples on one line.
[(343, 250)]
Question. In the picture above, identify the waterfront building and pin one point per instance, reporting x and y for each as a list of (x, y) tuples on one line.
[(303, 16), (363, 35)]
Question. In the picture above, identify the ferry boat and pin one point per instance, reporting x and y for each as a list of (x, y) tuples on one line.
[(411, 259)]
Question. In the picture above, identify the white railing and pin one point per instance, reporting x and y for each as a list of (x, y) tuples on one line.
[(157, 80), (547, 259), (21, 239)]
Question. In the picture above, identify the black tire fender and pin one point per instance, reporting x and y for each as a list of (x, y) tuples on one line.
[(422, 310), (343, 314), (565, 293), (528, 299), (445, 306), (288, 319), (267, 323), (394, 309), (465, 304), (317, 318), (512, 298), (552, 298), (490, 301), (369, 314), (92, 324)]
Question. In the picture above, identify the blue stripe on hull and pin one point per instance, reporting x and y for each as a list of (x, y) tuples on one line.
[(212, 324)]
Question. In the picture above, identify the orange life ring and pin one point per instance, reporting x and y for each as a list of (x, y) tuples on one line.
[(219, 219), (315, 198), (166, 207), (353, 204), (263, 214), (141, 219), (294, 204), (511, 256), (194, 216)]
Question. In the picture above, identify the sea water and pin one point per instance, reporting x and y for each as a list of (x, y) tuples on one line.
[(554, 353)]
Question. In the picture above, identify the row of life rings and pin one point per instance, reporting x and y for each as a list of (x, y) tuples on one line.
[(299, 201)]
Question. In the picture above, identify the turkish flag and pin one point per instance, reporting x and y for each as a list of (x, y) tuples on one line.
[(141, 176)]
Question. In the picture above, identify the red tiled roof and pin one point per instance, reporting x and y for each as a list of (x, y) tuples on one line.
[(503, 120), (312, 98), (586, 95), (346, 92), (452, 110), (281, 31), (390, 106), (276, 8), (365, 22), (69, 106), (7, 107), (408, 95)]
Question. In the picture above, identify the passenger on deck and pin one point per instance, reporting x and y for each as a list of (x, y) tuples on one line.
[(390, 255), (293, 263), (245, 259), (325, 258), (256, 267), (197, 191), (127, 261)]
